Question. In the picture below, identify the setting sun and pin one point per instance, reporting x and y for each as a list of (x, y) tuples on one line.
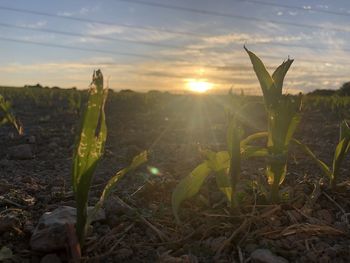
[(199, 85)]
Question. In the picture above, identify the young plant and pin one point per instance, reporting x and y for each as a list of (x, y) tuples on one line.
[(225, 165), (8, 117), (88, 152), (283, 118), (341, 150)]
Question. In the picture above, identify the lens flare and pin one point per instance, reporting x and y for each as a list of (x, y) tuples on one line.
[(153, 170)]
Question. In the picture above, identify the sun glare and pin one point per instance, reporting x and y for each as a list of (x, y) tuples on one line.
[(199, 85)]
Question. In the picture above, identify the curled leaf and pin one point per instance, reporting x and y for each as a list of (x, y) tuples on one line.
[(189, 186)]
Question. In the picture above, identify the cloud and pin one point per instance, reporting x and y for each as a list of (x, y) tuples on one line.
[(292, 13), (83, 11), (241, 38), (166, 75), (104, 30), (38, 24)]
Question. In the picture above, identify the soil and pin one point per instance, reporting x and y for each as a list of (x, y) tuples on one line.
[(311, 223)]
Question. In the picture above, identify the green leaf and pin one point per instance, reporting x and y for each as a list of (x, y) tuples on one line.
[(5, 253), (291, 128), (112, 182), (308, 151), (254, 137), (344, 130), (189, 186), (230, 134), (339, 155), (265, 79), (254, 151), (219, 161), (280, 73), (9, 117), (89, 149)]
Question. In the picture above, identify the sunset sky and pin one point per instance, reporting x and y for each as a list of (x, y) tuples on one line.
[(166, 44)]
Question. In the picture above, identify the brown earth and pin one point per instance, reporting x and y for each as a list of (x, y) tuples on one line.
[(310, 225)]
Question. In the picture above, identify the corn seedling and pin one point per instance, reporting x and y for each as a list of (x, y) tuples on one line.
[(341, 150), (283, 118), (88, 152), (8, 117), (226, 165)]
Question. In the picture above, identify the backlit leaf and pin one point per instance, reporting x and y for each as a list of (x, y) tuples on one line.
[(136, 162), (88, 149), (189, 186), (280, 73), (264, 77)]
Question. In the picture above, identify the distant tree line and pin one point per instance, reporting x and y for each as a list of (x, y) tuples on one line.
[(344, 90)]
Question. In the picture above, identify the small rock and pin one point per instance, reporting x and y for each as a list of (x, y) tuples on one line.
[(50, 233), (266, 256), (50, 258), (21, 152)]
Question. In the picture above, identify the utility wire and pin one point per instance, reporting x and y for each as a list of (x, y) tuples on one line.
[(79, 19), (128, 54), (305, 9), (167, 30), (228, 15), (21, 41), (97, 37)]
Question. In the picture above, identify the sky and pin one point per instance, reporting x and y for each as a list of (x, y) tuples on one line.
[(168, 44)]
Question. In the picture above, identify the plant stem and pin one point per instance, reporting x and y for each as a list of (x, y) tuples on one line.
[(235, 168), (275, 198)]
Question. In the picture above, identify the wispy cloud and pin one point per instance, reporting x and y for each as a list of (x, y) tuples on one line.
[(168, 75), (82, 11), (38, 24)]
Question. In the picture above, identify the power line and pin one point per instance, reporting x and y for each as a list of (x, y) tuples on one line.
[(46, 30), (227, 15), (79, 19), (98, 37), (21, 41), (305, 9), (166, 30), (134, 27), (104, 51), (296, 45)]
